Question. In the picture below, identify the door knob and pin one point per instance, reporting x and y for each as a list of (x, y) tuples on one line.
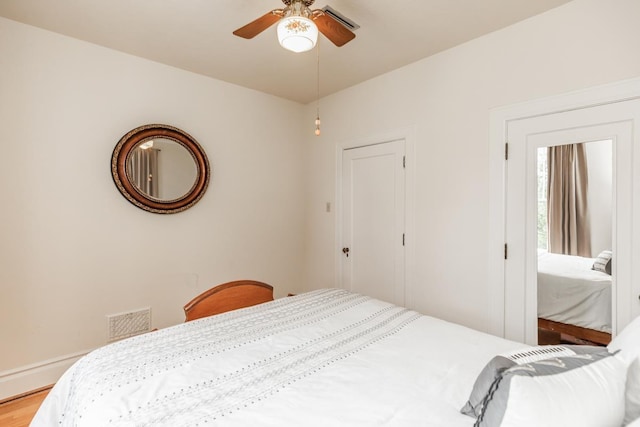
[(345, 251)]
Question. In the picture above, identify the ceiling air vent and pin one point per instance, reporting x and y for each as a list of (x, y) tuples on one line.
[(340, 18)]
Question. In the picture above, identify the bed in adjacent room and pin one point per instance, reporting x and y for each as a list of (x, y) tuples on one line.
[(323, 358), (574, 300)]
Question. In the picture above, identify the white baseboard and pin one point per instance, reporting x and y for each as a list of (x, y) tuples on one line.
[(37, 375)]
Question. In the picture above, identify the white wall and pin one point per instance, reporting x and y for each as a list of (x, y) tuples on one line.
[(600, 197), (445, 101), (177, 171), (73, 249)]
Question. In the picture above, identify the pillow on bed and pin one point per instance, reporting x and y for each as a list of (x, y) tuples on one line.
[(586, 390), (635, 423), (603, 262), (627, 342), (632, 393), (496, 366)]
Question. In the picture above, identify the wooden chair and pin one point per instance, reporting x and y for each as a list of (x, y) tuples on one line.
[(226, 297)]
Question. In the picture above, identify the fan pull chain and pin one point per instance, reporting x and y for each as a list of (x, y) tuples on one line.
[(317, 131)]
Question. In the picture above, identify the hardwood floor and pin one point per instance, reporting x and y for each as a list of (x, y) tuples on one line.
[(19, 411)]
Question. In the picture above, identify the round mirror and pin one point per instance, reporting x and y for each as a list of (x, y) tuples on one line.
[(160, 168)]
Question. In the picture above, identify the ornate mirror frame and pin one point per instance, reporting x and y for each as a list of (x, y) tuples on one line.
[(139, 135)]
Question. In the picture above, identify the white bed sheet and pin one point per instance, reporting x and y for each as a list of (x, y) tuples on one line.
[(324, 358), (569, 291)]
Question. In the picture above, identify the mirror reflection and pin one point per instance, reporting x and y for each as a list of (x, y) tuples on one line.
[(162, 169), (575, 183)]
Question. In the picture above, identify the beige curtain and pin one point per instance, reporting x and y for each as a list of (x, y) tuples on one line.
[(567, 210), (143, 170)]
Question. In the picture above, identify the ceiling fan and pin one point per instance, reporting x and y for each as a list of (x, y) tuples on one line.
[(299, 26)]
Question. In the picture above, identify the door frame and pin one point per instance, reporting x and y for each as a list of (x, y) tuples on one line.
[(408, 135), (577, 126), (499, 119)]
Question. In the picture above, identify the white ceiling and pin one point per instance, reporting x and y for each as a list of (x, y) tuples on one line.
[(196, 35)]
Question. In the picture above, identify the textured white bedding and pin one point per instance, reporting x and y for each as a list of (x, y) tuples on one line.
[(324, 358), (569, 291)]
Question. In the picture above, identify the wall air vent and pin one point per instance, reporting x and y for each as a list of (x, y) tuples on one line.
[(340, 18), (125, 325)]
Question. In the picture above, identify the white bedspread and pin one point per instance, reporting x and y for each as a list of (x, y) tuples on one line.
[(324, 358), (569, 291)]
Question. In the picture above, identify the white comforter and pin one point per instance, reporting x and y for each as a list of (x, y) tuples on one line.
[(325, 358), (569, 291)]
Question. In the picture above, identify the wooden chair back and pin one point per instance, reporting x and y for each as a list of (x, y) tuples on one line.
[(226, 297)]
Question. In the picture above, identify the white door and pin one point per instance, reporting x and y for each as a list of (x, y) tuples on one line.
[(373, 217), (525, 136)]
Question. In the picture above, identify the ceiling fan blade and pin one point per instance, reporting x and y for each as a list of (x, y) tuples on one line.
[(333, 30), (254, 28)]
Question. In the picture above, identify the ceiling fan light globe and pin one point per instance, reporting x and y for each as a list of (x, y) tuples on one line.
[(297, 33)]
